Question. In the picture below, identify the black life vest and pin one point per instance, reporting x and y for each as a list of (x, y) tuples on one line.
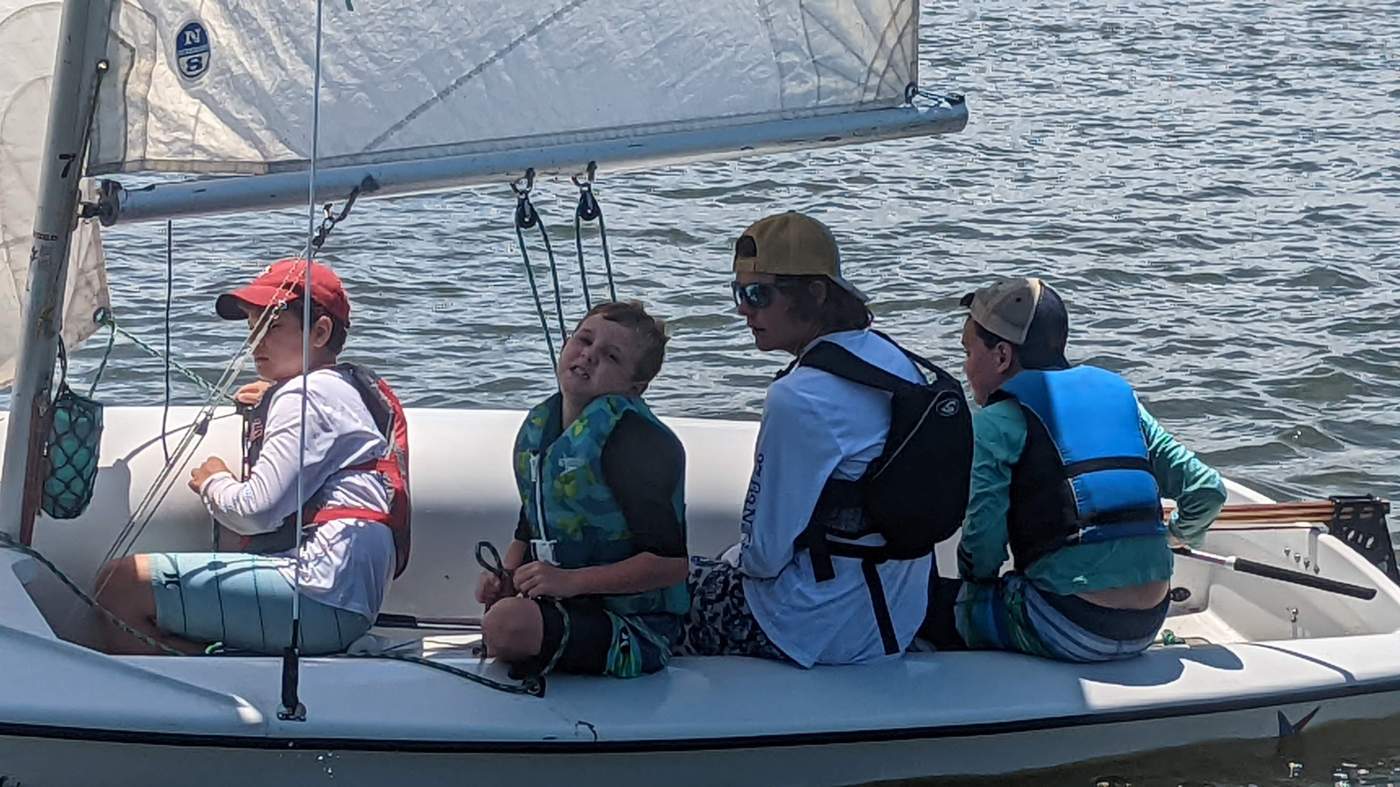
[(914, 494), (1084, 474), (383, 405)]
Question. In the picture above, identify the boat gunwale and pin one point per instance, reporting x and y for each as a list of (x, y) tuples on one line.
[(680, 745)]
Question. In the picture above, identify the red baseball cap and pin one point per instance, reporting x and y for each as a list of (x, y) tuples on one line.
[(281, 282)]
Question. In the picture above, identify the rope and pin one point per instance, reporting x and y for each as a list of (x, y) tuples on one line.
[(532, 685), (331, 218), (105, 317), (145, 510), (525, 217), (292, 708), (6, 542), (589, 210)]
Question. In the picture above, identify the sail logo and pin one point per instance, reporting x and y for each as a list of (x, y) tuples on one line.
[(192, 51)]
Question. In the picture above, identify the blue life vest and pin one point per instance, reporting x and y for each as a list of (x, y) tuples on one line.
[(1084, 475)]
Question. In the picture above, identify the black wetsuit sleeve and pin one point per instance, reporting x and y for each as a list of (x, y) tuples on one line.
[(643, 465), (522, 527)]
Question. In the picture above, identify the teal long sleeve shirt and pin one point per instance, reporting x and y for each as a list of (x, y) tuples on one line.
[(999, 438)]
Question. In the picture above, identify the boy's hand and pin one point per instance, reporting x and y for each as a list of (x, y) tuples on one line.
[(252, 393), (541, 579), (490, 589), (212, 466)]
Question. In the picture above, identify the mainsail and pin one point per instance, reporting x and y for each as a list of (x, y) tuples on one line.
[(28, 34), (431, 95), (225, 87)]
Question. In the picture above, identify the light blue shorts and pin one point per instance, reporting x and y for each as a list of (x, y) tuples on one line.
[(244, 602)]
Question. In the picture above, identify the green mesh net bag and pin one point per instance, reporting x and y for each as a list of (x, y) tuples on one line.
[(75, 432)]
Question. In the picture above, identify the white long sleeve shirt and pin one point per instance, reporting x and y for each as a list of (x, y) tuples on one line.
[(346, 563), (817, 426)]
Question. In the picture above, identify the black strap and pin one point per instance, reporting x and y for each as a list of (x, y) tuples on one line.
[(1121, 516), (834, 359), (814, 538), (1107, 463), (882, 609)]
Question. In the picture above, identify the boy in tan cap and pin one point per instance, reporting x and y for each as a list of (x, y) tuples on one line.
[(1069, 470), (793, 588)]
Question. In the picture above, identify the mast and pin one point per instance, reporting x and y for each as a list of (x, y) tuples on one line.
[(82, 37)]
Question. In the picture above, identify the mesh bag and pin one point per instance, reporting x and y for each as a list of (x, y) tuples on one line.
[(75, 432)]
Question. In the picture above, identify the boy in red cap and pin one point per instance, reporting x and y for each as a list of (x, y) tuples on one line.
[(354, 470)]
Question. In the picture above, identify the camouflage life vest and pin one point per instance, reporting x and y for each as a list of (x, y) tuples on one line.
[(567, 498)]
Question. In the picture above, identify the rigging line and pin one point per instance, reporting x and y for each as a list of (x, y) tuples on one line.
[(292, 709), (588, 210), (532, 685), (525, 216), (169, 292), (578, 244), (193, 436), (554, 277), (607, 258), (6, 542), (207, 388), (156, 493)]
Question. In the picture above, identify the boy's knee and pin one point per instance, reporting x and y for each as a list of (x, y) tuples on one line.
[(115, 575), (513, 629), (119, 582)]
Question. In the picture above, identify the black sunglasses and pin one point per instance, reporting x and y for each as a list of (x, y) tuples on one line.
[(756, 295)]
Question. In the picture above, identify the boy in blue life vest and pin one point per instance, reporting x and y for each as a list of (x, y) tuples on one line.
[(595, 579), (1068, 474)]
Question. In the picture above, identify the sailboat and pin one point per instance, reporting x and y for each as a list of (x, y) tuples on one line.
[(432, 96)]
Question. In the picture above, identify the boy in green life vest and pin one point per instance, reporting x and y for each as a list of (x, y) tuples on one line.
[(595, 579)]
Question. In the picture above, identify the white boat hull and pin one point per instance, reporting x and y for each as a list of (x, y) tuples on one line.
[(1265, 660)]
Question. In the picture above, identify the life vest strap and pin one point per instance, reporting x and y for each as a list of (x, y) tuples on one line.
[(1087, 466), (882, 608), (330, 514)]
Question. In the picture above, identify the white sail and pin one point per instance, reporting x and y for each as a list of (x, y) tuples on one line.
[(28, 32), (226, 87)]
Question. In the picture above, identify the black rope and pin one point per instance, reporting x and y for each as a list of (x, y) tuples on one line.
[(6, 542), (526, 217), (554, 279), (332, 218), (578, 244), (533, 685), (589, 210), (607, 259)]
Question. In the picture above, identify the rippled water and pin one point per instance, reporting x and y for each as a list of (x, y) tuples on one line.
[(1214, 187)]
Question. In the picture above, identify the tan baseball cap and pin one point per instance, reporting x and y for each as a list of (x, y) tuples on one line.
[(1007, 307), (791, 244)]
